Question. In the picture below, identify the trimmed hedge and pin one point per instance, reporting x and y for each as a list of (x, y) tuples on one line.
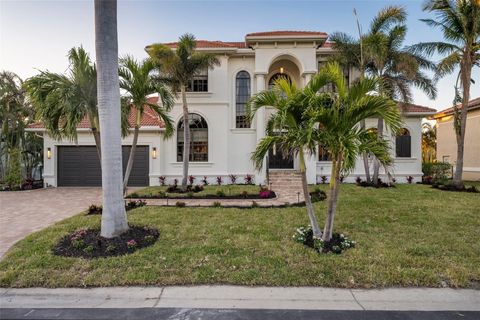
[(436, 171)]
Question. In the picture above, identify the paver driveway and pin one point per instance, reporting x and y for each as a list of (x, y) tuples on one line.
[(24, 212)]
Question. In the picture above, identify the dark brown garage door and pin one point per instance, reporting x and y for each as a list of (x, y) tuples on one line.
[(80, 166)]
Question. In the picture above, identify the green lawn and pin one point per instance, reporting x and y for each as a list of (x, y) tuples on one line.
[(210, 190), (411, 235)]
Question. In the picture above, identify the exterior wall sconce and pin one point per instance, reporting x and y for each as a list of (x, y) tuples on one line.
[(281, 69), (49, 153), (154, 153)]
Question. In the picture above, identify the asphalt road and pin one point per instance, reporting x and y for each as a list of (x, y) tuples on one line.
[(228, 314)]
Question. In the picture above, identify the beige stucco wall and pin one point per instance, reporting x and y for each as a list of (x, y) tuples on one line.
[(447, 144)]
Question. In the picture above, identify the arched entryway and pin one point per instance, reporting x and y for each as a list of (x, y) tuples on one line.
[(288, 67)]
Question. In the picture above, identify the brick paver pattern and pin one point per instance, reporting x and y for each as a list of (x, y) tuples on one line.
[(24, 212)]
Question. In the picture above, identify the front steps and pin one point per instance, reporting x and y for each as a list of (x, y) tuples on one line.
[(287, 184)]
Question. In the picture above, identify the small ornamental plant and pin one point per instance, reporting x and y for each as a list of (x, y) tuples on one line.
[(358, 181), (162, 180), (197, 188), (175, 182), (191, 180), (205, 181), (219, 180), (180, 204), (409, 179), (233, 178), (95, 209), (338, 244), (220, 194), (131, 244), (216, 204), (342, 177), (264, 193), (254, 204), (248, 179), (244, 194), (78, 234), (323, 179)]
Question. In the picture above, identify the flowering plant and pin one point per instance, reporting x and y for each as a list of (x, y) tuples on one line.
[(131, 244)]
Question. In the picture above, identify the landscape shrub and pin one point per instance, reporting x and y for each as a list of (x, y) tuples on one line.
[(436, 171), (162, 180), (233, 178), (180, 204), (13, 179), (337, 244)]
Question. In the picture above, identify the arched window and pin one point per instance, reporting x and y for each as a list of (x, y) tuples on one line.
[(403, 144), (242, 94), (198, 138), (323, 154)]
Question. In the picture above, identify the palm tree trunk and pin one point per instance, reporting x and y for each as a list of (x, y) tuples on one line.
[(460, 130), (376, 163), (186, 138), (114, 218), (365, 159), (332, 201), (98, 145), (308, 202), (131, 157)]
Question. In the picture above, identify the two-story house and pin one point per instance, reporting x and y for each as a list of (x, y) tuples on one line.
[(222, 137)]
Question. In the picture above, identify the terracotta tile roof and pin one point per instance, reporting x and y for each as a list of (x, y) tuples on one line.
[(472, 104), (412, 108), (149, 119), (212, 44), (327, 44), (286, 33)]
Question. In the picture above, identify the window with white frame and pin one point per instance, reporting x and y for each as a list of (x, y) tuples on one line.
[(242, 95)]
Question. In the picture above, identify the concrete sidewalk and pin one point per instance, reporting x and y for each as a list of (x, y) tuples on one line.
[(240, 297)]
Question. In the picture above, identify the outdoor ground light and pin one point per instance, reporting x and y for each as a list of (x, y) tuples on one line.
[(49, 153), (154, 153)]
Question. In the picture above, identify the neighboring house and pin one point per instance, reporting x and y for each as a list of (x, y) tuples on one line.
[(222, 137), (447, 141)]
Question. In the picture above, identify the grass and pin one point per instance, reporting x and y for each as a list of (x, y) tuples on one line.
[(210, 190), (411, 235)]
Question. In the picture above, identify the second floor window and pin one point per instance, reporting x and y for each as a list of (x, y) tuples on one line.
[(242, 94), (199, 82)]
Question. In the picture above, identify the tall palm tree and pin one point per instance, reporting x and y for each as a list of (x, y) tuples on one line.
[(15, 114), (288, 129), (380, 53), (178, 67), (459, 21), (63, 101), (114, 218), (336, 117), (136, 78)]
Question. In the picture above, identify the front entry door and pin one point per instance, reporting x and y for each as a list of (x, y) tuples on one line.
[(277, 160)]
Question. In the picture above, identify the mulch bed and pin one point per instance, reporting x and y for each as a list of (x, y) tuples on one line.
[(183, 195), (451, 187), (380, 184), (88, 244)]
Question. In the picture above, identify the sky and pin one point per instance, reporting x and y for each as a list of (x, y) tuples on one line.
[(36, 35)]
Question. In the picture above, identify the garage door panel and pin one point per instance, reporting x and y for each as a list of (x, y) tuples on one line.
[(80, 166)]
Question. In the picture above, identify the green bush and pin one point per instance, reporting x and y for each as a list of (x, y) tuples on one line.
[(14, 178), (437, 171)]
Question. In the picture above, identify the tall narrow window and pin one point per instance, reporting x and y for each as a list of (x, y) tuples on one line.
[(323, 154), (198, 139), (403, 144), (199, 82), (242, 94)]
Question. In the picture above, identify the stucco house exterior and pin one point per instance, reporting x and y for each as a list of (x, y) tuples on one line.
[(222, 137), (447, 141)]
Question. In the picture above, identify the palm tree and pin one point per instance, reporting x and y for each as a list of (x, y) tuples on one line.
[(15, 114), (114, 218), (336, 117), (288, 130), (429, 143), (137, 80), (384, 56), (178, 67), (63, 101), (459, 22)]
